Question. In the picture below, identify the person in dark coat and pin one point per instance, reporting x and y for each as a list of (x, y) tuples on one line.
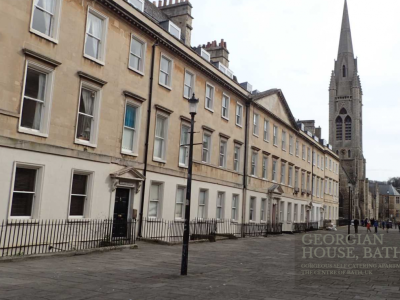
[(376, 226), (387, 227), (356, 223)]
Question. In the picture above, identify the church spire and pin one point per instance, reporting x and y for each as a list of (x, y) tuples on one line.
[(345, 44)]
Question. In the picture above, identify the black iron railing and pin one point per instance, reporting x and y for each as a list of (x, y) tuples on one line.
[(172, 231), (26, 237), (303, 227)]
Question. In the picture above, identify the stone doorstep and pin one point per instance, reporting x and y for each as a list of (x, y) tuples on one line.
[(67, 253)]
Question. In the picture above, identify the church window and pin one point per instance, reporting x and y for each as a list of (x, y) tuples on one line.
[(344, 71), (347, 122), (343, 111), (339, 128)]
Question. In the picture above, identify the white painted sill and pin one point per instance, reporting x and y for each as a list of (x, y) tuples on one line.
[(165, 86), (94, 59), (85, 143), (42, 35), (32, 132)]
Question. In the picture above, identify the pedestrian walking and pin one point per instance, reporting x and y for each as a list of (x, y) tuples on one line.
[(366, 221), (387, 227), (356, 223), (369, 227), (376, 226), (383, 225)]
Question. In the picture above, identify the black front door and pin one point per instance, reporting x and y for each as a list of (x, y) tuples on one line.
[(121, 213)]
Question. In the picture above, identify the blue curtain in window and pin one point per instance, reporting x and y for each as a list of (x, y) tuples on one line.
[(130, 116)]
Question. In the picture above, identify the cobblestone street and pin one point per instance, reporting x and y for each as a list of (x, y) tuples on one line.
[(251, 268)]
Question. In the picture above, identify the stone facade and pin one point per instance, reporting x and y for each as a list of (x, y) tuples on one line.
[(112, 125), (345, 124)]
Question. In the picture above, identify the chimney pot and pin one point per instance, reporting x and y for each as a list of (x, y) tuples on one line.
[(159, 3), (165, 3), (155, 3)]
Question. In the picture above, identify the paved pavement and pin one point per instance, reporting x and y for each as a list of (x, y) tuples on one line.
[(251, 268)]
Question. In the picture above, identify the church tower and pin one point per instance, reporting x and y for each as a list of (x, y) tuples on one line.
[(345, 123)]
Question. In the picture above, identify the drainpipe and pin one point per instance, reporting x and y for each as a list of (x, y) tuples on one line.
[(246, 145), (146, 145)]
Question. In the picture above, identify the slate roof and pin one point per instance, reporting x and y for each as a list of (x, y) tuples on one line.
[(383, 188), (154, 13)]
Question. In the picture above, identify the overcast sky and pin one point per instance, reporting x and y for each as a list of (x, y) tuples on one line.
[(292, 44)]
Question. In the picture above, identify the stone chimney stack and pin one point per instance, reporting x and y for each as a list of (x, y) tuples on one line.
[(219, 52), (180, 13), (309, 125), (318, 132)]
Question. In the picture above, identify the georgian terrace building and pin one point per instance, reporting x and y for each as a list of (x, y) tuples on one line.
[(94, 121)]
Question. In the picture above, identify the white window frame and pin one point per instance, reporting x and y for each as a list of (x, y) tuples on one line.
[(297, 148), (252, 209), (275, 135), (56, 23), (239, 116), (186, 146), (205, 205), (35, 209), (159, 201), (227, 108), (193, 84), (283, 140), (290, 176), (212, 97), (225, 142), (256, 118), (289, 212), (163, 157), (103, 41), (89, 191), (303, 154), (183, 203), (295, 212), (290, 144), (236, 162), (263, 210), (142, 60), (254, 163), (283, 172), (172, 24), (47, 103), (209, 135), (266, 130), (296, 177), (96, 115), (139, 8), (221, 206), (235, 208), (265, 167), (308, 154), (135, 146), (274, 171), (204, 54), (170, 72)]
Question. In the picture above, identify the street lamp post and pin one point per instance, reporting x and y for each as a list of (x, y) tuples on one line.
[(350, 217), (193, 103)]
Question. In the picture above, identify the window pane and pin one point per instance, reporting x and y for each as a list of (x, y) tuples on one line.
[(42, 21), (130, 116), (202, 198), (158, 145), (79, 184), (21, 205), (163, 78), (84, 127), (136, 48), (47, 5), (165, 65), (182, 155), (95, 26), (77, 205), (174, 32), (134, 62), (31, 114), (87, 102), (25, 180), (128, 137), (160, 126), (92, 47), (35, 86), (187, 91), (153, 208), (155, 192)]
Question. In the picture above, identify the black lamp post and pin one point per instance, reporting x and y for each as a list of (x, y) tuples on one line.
[(350, 214), (193, 104)]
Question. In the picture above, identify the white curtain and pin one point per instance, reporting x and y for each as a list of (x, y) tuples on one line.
[(95, 29), (39, 105), (86, 126), (47, 5)]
